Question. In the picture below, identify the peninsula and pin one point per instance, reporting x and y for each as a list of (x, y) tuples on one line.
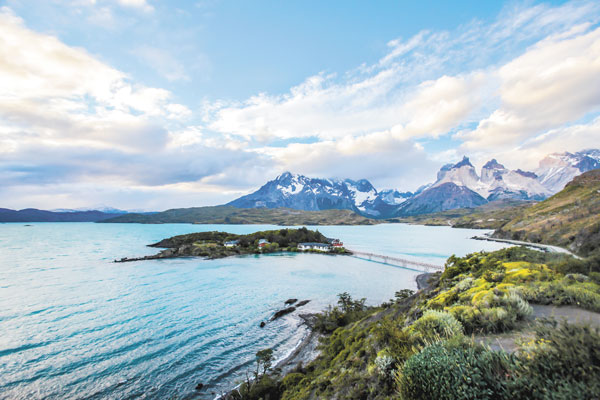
[(213, 245)]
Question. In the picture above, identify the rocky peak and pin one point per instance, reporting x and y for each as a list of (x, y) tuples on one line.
[(493, 164), (526, 174), (464, 162)]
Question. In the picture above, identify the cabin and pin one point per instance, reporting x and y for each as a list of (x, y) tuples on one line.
[(231, 243), (314, 246), (335, 242), (262, 243)]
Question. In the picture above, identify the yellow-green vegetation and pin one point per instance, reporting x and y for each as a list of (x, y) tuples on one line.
[(234, 215), (421, 346), (570, 218), (489, 292)]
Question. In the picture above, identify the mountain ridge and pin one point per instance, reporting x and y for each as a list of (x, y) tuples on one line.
[(457, 186)]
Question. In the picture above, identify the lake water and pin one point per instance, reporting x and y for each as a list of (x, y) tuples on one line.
[(75, 325)]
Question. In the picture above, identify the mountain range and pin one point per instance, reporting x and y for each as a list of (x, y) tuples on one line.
[(457, 186)]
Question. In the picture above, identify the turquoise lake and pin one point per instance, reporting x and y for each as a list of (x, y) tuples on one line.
[(75, 325)]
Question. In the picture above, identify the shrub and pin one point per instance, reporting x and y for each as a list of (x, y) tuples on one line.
[(454, 371), (347, 311), (563, 362), (265, 388), (384, 363), (436, 324), (291, 380)]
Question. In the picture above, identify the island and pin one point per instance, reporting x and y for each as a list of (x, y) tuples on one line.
[(214, 244)]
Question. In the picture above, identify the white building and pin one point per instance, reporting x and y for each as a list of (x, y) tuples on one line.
[(314, 246), (231, 243)]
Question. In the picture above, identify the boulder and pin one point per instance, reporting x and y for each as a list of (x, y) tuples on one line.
[(283, 312)]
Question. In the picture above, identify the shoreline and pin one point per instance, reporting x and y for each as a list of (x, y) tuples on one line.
[(306, 349), (536, 246)]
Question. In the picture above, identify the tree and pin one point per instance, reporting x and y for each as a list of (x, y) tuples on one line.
[(264, 359)]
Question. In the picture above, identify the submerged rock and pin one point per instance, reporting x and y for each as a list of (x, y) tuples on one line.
[(302, 303), (290, 301)]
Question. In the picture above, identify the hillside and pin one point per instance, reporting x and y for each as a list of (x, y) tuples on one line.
[(35, 215), (429, 345), (570, 218), (233, 215)]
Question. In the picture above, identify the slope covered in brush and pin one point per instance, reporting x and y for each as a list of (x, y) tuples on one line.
[(570, 218)]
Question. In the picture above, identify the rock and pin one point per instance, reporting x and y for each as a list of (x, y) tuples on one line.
[(290, 301), (302, 303), (262, 324), (283, 312), (199, 386)]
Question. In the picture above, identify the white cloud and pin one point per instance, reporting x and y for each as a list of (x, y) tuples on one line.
[(553, 83), (140, 4), (515, 89), (60, 93)]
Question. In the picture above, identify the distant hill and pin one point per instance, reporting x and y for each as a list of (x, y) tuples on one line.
[(35, 215), (233, 215), (570, 218)]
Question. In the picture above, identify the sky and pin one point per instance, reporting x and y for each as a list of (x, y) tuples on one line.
[(150, 105)]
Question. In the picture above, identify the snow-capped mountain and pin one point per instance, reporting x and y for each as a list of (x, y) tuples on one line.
[(558, 169), (446, 196), (312, 194), (501, 183), (394, 197), (496, 181), (457, 186)]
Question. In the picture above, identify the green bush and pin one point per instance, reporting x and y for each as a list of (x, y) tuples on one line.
[(436, 324), (347, 311), (563, 362), (454, 371), (266, 388), (292, 379)]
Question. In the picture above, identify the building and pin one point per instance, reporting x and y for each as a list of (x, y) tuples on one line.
[(231, 243), (314, 246), (262, 243), (335, 242)]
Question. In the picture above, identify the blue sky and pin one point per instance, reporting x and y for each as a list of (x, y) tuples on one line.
[(144, 104)]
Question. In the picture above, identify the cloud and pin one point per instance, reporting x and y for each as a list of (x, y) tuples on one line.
[(163, 63), (553, 83), (61, 94), (515, 89), (68, 117), (139, 4)]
